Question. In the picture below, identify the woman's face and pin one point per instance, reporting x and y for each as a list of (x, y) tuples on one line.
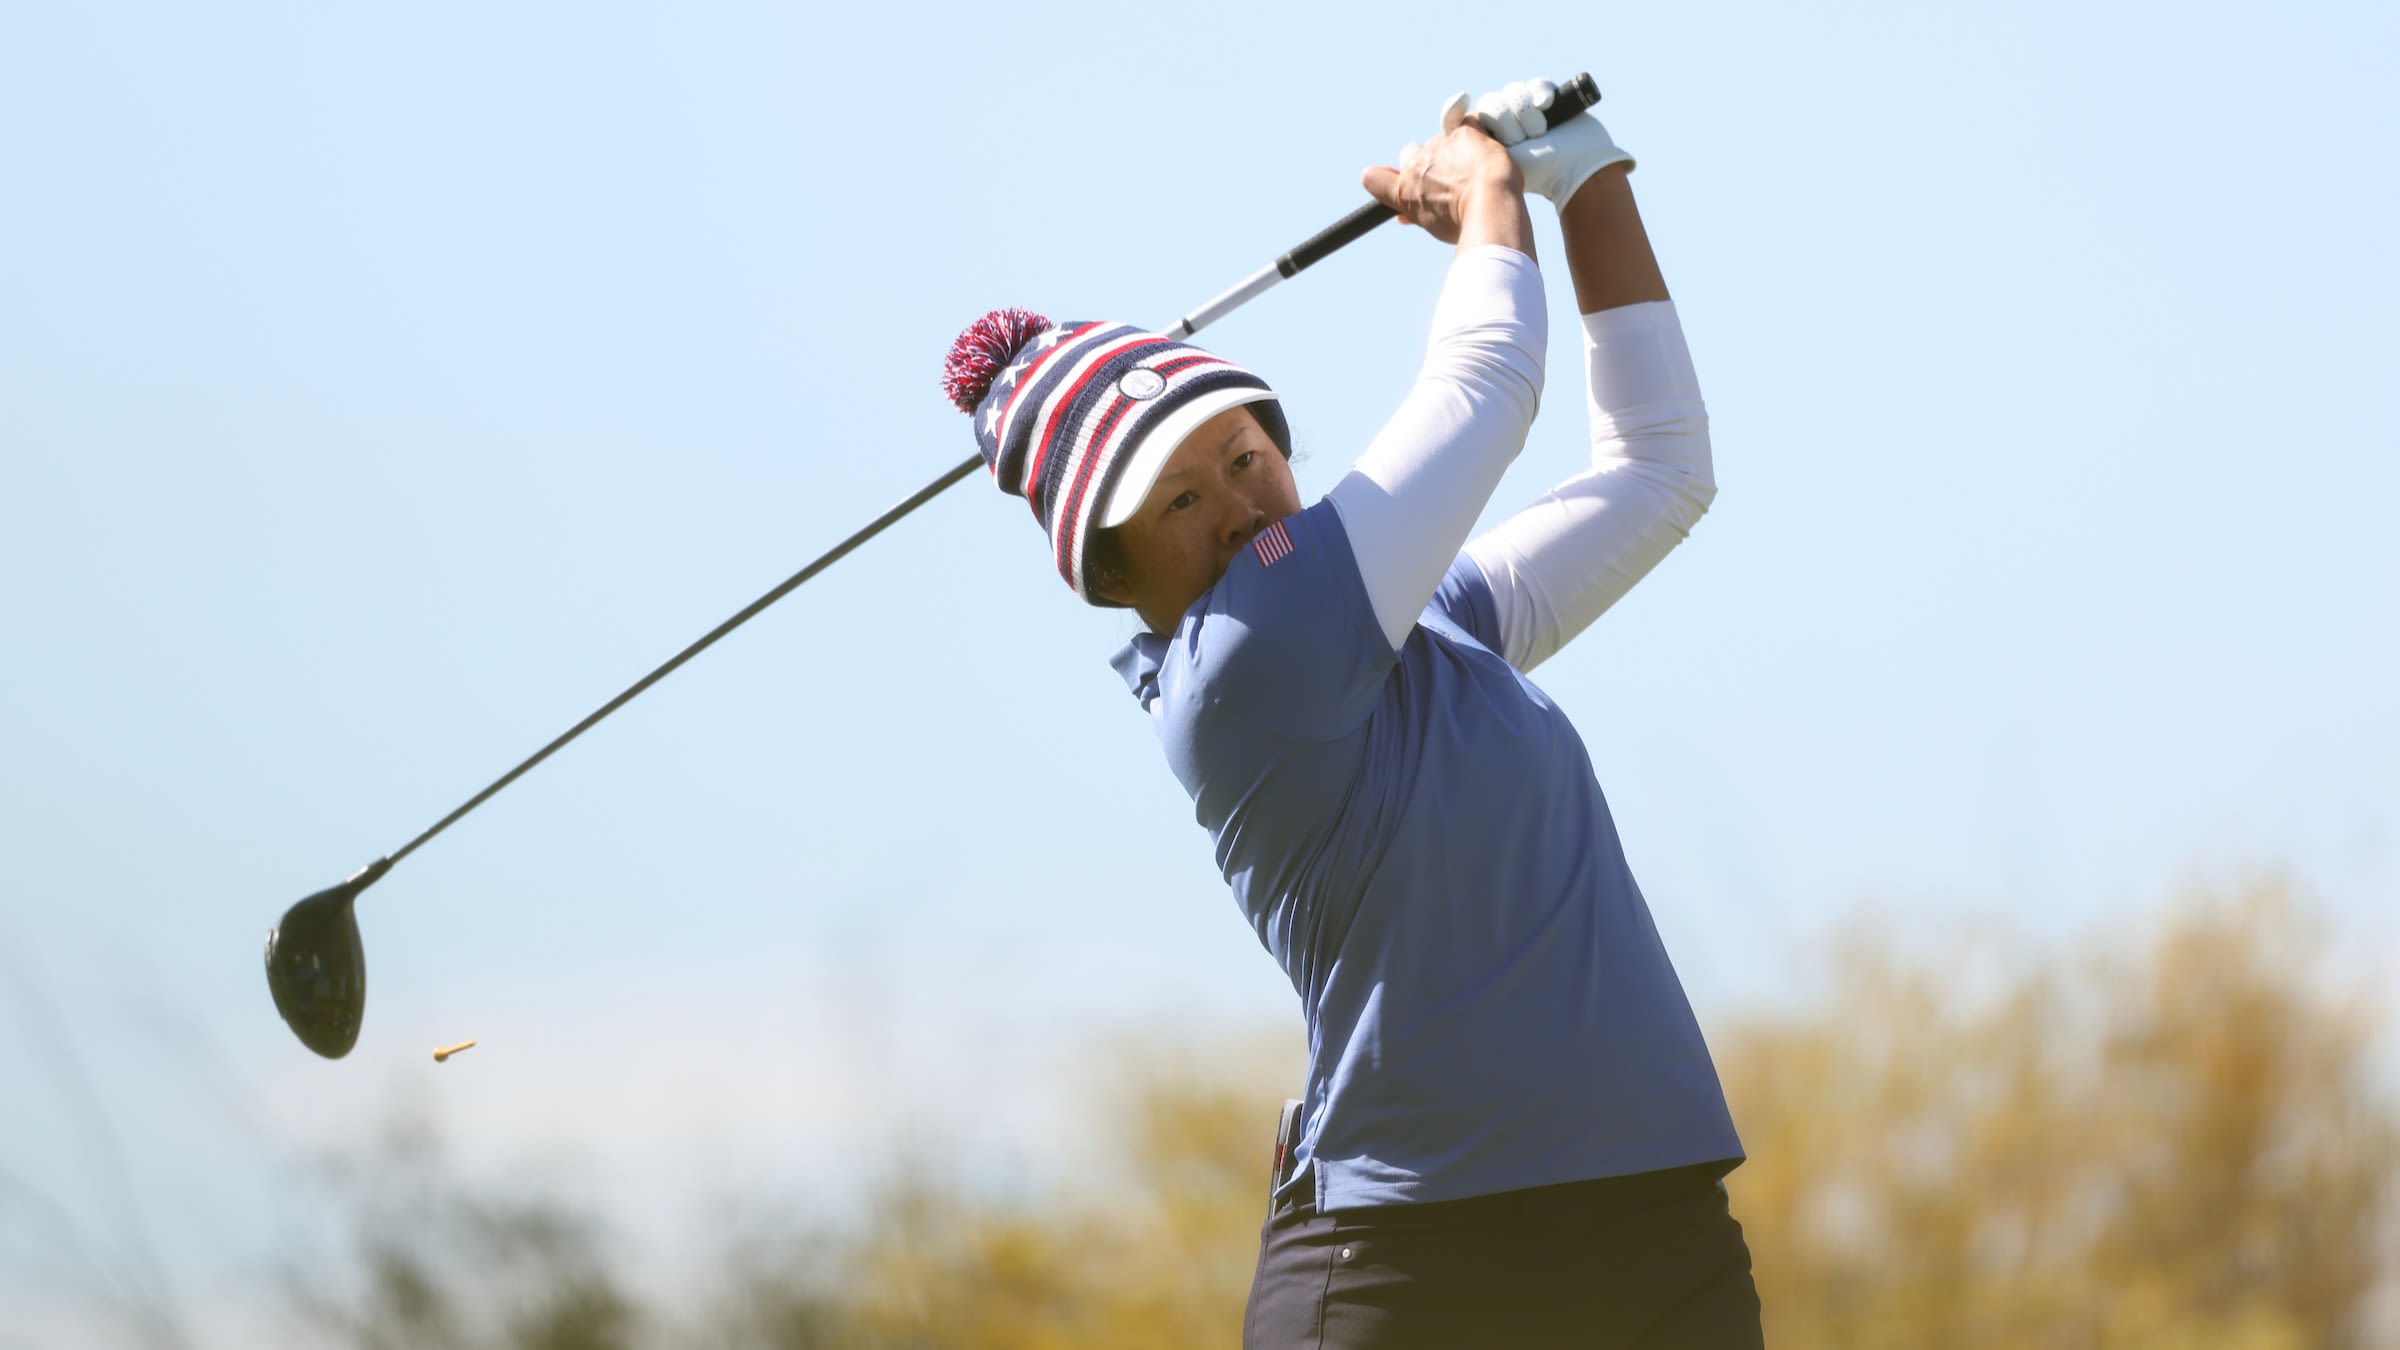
[(1224, 484)]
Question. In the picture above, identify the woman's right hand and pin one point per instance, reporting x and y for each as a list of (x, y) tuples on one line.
[(1460, 187)]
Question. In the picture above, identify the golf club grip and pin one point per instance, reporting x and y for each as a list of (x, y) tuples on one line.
[(1340, 234), (1573, 97)]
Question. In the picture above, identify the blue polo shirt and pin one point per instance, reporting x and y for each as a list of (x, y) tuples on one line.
[(1419, 840)]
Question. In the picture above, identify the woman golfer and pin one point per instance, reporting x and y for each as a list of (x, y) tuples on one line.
[(1512, 1134)]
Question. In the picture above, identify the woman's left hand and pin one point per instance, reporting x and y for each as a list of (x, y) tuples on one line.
[(1558, 157)]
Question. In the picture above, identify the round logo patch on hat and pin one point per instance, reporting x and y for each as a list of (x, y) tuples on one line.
[(1142, 383)]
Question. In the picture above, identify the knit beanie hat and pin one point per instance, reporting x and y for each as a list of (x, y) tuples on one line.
[(1079, 418)]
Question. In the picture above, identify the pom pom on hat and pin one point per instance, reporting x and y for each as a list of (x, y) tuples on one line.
[(985, 349)]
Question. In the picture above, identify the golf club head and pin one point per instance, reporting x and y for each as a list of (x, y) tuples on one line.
[(317, 966)]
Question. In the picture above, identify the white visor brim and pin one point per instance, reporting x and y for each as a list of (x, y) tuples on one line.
[(1159, 444)]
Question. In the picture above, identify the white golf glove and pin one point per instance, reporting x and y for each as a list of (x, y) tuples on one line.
[(1555, 161)]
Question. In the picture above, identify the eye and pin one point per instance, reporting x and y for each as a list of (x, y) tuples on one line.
[(1242, 460), (1182, 500)]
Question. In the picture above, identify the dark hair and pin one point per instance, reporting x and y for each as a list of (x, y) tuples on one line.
[(1104, 554)]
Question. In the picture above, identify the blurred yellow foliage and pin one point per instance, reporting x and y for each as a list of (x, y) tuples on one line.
[(1155, 1253), (2176, 1145)]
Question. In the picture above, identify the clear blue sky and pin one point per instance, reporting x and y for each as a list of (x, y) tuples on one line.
[(384, 386)]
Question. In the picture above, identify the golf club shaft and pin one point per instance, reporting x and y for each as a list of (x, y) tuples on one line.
[(1573, 97), (785, 587)]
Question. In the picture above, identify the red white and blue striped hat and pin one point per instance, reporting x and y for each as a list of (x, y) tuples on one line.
[(1079, 418)]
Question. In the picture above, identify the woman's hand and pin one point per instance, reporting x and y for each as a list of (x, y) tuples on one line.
[(1461, 187), (1556, 159)]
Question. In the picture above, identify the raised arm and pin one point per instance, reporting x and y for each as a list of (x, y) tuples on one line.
[(1409, 502), (1559, 564)]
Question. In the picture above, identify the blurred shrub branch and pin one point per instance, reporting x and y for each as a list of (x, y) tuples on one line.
[(2177, 1145)]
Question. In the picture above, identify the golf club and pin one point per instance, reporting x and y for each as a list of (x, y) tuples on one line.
[(316, 961)]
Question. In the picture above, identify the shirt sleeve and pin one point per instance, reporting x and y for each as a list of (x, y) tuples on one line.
[(1465, 598), (1288, 636), (1409, 502), (1557, 565)]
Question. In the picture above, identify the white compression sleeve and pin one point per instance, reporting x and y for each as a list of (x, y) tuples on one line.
[(1561, 562), (1409, 502)]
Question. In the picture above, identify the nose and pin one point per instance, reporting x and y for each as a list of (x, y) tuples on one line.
[(1243, 519)]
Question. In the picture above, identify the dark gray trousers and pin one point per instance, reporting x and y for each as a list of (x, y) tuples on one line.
[(1650, 1261)]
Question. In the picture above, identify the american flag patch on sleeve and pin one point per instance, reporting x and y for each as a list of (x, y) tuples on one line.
[(1273, 545)]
